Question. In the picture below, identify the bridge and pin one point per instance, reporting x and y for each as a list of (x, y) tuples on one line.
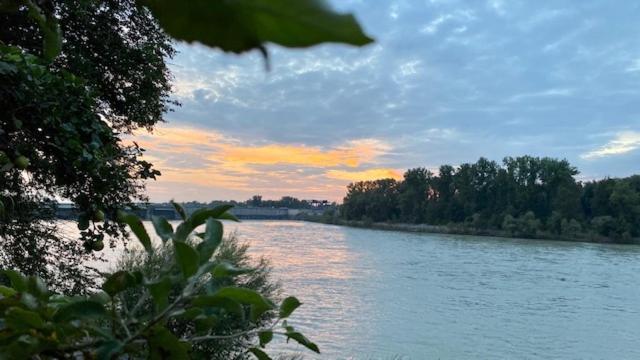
[(69, 212)]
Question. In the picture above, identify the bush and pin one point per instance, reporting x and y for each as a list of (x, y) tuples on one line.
[(603, 225), (571, 228), (171, 312), (232, 252), (510, 224)]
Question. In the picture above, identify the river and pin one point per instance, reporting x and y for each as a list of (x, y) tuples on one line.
[(371, 294)]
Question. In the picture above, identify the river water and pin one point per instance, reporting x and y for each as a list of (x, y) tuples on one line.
[(371, 294)]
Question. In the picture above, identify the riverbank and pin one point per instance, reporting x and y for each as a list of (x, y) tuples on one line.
[(467, 230)]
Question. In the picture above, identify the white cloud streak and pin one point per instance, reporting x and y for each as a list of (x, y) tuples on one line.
[(623, 143)]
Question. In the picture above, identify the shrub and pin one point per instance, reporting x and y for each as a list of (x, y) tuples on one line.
[(230, 251), (136, 314), (571, 228)]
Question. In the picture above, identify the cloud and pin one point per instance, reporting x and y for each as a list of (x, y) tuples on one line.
[(634, 66), (369, 174), (549, 93), (543, 17), (351, 154), (190, 157), (497, 6), (623, 143), (568, 37), (447, 81), (459, 16)]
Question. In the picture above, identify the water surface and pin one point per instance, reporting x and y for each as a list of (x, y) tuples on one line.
[(382, 294), (371, 294)]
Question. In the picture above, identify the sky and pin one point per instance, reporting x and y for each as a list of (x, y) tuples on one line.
[(445, 82)]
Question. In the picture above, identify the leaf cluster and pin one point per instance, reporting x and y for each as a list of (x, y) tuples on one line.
[(37, 322)]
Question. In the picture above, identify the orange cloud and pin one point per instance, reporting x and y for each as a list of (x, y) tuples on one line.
[(204, 163), (292, 154), (364, 175)]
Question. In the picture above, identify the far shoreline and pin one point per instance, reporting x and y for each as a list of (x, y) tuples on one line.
[(467, 230)]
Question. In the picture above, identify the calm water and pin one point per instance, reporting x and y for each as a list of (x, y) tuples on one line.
[(372, 294)]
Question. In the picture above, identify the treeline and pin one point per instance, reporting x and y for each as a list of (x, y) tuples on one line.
[(525, 196), (289, 202)]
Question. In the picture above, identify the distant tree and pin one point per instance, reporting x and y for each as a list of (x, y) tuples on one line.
[(413, 195), (376, 200), (518, 197), (256, 200), (571, 228), (510, 224)]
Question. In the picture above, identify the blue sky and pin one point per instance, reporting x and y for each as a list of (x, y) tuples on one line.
[(445, 82)]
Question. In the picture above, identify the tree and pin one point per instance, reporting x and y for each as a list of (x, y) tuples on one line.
[(76, 75), (256, 200), (517, 197), (67, 116), (63, 111), (55, 144), (413, 195)]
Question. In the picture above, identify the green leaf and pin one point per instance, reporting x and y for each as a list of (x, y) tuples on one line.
[(212, 239), (204, 323), (163, 228), (187, 258), (21, 319), (212, 301), (179, 210), (225, 269), (302, 340), (259, 354), (257, 310), (288, 306), (164, 345), (242, 25), (188, 314), (258, 303), (159, 291), (108, 349), (243, 295), (201, 215), (7, 291), (119, 282), (265, 337), (80, 310), (228, 216), (18, 281), (139, 231), (198, 218), (36, 286)]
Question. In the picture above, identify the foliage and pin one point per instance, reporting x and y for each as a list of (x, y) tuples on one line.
[(242, 25), (524, 197), (78, 75), (48, 118), (62, 118), (257, 201), (231, 252), (31, 243), (115, 46), (192, 288)]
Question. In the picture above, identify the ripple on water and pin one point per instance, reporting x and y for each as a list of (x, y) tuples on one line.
[(381, 294)]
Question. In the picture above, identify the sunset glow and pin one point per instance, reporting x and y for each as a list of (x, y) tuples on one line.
[(204, 164)]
